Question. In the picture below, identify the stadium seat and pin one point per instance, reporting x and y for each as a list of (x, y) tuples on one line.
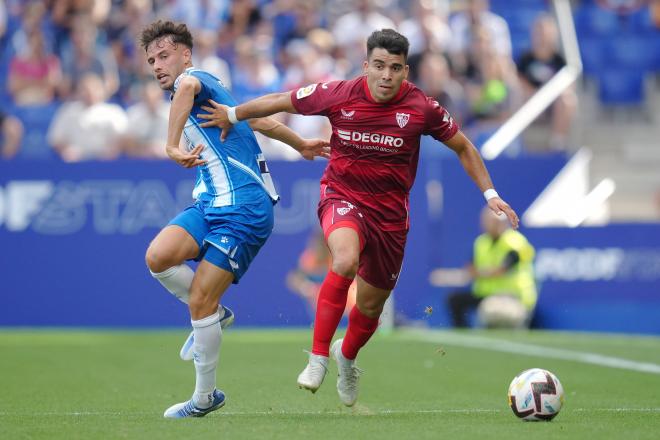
[(631, 51), (596, 21), (592, 51), (620, 86)]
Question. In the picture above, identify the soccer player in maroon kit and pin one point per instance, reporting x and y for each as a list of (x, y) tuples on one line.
[(377, 121)]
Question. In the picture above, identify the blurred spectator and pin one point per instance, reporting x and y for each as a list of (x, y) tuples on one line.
[(305, 64), (427, 29), (490, 81), (358, 24), (504, 288), (254, 73), (295, 19), (655, 12), (205, 57), (84, 55), (35, 75), (199, 15), (3, 18), (463, 31), (64, 12), (33, 18), (536, 67), (313, 264), (88, 128), (11, 133), (126, 20), (436, 81), (146, 134), (351, 31), (242, 18)]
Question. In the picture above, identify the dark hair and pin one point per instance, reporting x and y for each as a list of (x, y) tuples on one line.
[(159, 29), (390, 40)]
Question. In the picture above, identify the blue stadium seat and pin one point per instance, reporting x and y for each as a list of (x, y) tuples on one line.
[(521, 19), (592, 51), (620, 86), (596, 21), (631, 51)]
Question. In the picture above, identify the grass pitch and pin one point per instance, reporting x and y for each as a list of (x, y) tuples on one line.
[(86, 384)]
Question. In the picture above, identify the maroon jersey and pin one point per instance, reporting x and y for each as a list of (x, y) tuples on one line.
[(375, 146)]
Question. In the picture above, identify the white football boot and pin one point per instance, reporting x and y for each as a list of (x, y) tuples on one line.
[(312, 376), (348, 375)]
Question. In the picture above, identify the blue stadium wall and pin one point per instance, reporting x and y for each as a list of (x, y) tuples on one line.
[(73, 237)]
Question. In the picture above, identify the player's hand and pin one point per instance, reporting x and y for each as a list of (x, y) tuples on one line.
[(312, 148), (216, 117), (186, 160), (499, 206)]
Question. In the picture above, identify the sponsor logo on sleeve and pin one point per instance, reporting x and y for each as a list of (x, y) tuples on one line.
[(304, 92)]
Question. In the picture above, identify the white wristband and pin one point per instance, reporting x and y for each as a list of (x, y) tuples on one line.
[(231, 115), (490, 193)]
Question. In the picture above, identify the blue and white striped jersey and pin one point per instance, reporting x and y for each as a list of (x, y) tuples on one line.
[(235, 172)]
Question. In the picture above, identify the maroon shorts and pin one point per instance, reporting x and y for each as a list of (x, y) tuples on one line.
[(381, 252)]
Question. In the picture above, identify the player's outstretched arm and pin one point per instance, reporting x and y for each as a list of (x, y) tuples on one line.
[(179, 111), (308, 148), (222, 116), (474, 166)]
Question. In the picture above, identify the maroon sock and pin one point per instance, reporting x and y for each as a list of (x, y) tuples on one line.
[(360, 329), (329, 310)]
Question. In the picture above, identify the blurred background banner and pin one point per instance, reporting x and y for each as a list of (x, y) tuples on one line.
[(78, 234)]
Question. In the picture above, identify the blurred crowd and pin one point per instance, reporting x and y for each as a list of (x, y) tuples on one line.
[(77, 87)]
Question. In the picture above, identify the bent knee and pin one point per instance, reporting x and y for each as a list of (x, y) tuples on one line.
[(158, 261), (345, 265), (371, 308)]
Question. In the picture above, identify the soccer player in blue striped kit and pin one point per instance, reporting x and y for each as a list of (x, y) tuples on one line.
[(232, 216)]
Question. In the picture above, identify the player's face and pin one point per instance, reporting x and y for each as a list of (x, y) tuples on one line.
[(385, 74), (167, 60)]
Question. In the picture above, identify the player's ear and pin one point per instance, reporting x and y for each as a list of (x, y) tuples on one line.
[(365, 66), (187, 54), (406, 71)]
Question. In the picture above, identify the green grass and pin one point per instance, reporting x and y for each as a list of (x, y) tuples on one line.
[(88, 384)]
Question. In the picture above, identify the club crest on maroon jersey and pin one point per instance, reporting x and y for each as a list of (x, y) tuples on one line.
[(402, 119)]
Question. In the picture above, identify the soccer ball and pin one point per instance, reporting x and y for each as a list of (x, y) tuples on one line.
[(536, 394)]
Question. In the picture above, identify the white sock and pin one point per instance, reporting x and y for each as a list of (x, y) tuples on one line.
[(208, 336), (177, 280)]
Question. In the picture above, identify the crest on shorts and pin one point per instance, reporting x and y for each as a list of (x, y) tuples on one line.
[(343, 210), (402, 119)]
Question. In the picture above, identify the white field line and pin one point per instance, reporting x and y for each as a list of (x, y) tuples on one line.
[(505, 346), (356, 412)]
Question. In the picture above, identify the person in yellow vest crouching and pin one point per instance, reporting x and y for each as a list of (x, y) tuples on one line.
[(503, 285)]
